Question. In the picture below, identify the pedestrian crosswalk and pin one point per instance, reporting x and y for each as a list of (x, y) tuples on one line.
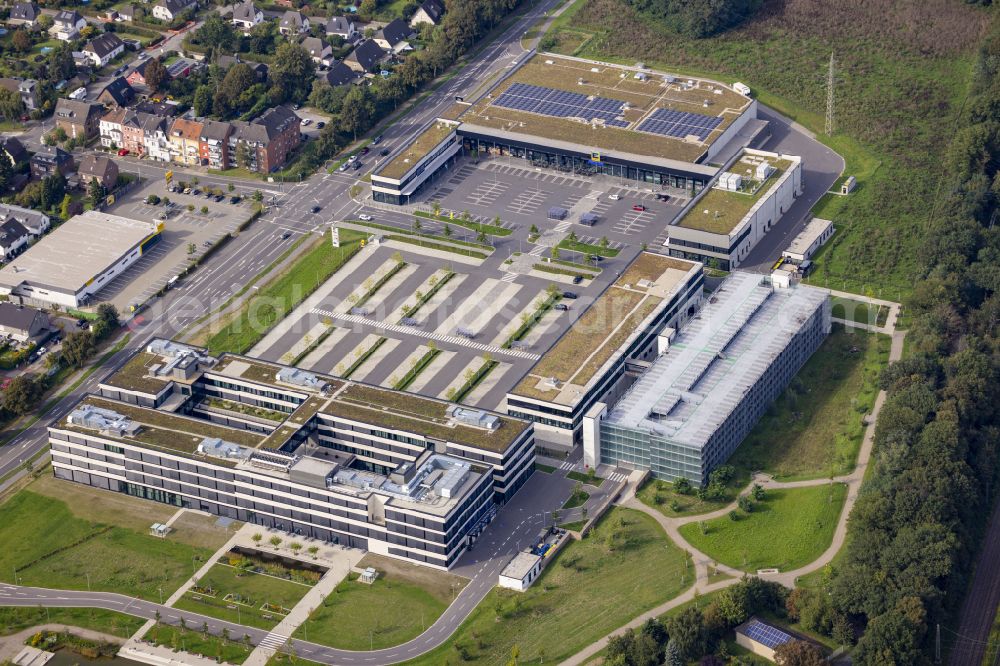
[(509, 277), (273, 641), (410, 331), (566, 466), (617, 477), (538, 250), (564, 225)]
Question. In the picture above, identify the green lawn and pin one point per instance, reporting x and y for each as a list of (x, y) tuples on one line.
[(388, 612), (256, 590), (548, 469), (232, 651), (13, 620), (897, 97), (992, 654), (587, 248), (859, 311), (51, 547), (279, 296), (789, 529), (661, 496), (588, 591), (814, 429), (576, 499), (589, 479)]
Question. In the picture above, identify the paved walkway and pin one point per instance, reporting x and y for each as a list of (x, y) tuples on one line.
[(702, 562)]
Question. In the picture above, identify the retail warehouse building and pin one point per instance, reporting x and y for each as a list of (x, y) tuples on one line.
[(692, 407), (381, 470), (77, 259), (584, 117)]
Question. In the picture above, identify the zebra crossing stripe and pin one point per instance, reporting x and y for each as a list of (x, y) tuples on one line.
[(410, 331), (509, 277), (273, 641)]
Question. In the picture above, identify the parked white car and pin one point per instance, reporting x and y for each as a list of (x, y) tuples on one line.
[(79, 93), (366, 217)]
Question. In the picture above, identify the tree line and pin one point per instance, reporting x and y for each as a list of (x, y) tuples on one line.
[(698, 18), (920, 515)]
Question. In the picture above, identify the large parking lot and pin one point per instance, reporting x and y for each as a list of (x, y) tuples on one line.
[(186, 236), (478, 307)]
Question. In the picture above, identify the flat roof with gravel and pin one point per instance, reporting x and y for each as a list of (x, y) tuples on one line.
[(77, 251), (603, 331)]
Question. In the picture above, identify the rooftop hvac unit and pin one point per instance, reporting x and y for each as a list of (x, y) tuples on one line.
[(764, 169)]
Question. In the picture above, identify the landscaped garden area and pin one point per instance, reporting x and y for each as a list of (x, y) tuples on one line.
[(48, 546), (625, 566), (230, 649), (403, 601), (249, 591), (786, 529)]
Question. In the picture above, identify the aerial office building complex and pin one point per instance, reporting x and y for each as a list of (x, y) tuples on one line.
[(381, 470), (693, 406)]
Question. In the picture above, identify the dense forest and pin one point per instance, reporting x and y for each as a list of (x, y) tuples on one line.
[(916, 525)]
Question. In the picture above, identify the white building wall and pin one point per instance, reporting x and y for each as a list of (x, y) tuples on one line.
[(732, 131)]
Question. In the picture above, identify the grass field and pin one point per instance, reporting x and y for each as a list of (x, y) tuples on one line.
[(402, 602), (256, 589), (279, 296), (13, 620), (232, 651), (586, 592), (898, 92), (992, 654), (814, 429), (51, 547), (661, 496), (789, 529), (860, 312)]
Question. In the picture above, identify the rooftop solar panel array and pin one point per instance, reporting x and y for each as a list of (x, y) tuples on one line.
[(560, 103), (765, 634), (679, 124)]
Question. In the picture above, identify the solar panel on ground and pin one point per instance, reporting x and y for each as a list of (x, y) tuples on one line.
[(765, 634), (560, 103), (680, 124)]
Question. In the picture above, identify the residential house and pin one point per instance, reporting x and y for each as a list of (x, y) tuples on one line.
[(165, 109), (13, 239), (103, 49), (259, 68), (267, 141), (213, 144), (14, 150), (246, 15), (21, 322), (155, 138), (50, 160), (132, 137), (339, 74), (185, 138), (67, 24), (36, 222), (393, 35), (320, 52), (342, 26), (27, 89), (293, 23), (110, 128), (365, 56), (25, 14), (100, 168), (429, 12), (168, 10), (137, 77), (117, 93), (126, 13), (183, 67), (79, 119)]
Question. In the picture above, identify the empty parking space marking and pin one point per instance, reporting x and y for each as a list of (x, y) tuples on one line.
[(486, 194), (527, 201)]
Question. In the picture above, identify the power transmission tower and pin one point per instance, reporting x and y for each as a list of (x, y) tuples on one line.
[(829, 98)]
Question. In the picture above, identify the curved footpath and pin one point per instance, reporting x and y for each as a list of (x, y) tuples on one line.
[(702, 561)]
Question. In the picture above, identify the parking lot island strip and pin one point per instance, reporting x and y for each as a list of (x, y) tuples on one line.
[(624, 323), (585, 117), (384, 458)]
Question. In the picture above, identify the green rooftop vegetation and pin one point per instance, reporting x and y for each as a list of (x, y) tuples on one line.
[(725, 209), (416, 151), (133, 375), (405, 411)]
